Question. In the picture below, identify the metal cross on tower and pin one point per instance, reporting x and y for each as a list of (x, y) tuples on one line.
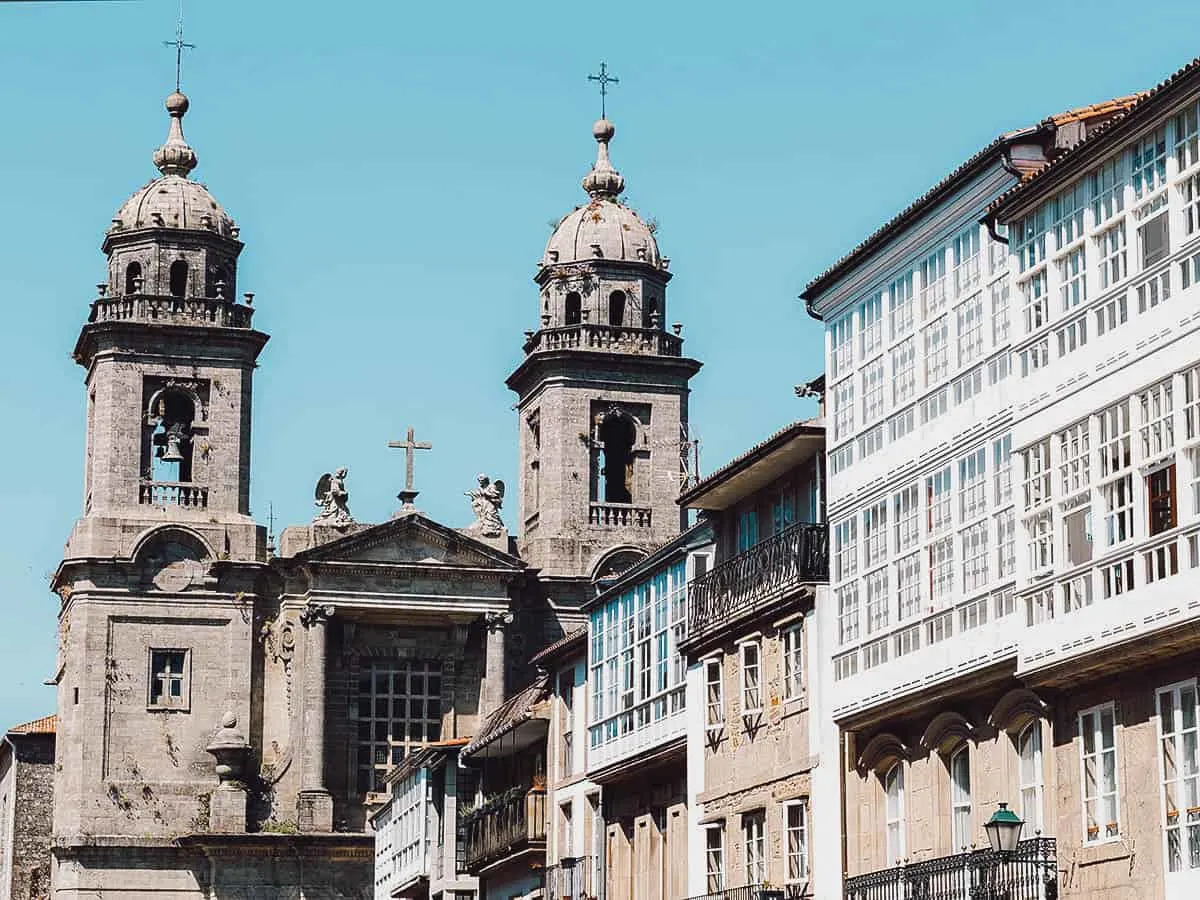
[(409, 445), (180, 45), (605, 80)]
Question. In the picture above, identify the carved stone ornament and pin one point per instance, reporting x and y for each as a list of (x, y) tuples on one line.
[(230, 747), (497, 620), (486, 501), (316, 614), (333, 500)]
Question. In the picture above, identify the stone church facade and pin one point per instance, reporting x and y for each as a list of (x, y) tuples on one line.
[(228, 711)]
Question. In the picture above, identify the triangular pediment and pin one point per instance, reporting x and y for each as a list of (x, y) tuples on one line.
[(413, 540)]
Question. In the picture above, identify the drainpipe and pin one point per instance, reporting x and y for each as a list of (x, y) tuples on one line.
[(845, 754)]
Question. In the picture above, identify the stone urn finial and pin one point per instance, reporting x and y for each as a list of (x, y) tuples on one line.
[(230, 747)]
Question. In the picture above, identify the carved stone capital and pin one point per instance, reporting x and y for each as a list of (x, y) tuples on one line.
[(497, 620), (316, 614)]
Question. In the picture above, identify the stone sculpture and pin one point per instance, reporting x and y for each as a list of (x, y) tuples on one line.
[(333, 500), (486, 501)]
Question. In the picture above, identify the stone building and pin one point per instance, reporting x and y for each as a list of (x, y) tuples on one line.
[(753, 745), (253, 703), (26, 805)]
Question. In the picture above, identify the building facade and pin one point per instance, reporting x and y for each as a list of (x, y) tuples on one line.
[(26, 808), (923, 519), (752, 745)]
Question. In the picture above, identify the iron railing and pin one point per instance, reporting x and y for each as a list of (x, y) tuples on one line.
[(614, 338), (173, 310), (1029, 873), (573, 878), (502, 826), (797, 555), (757, 892)]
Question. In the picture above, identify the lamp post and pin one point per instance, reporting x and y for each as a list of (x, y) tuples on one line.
[(1003, 831)]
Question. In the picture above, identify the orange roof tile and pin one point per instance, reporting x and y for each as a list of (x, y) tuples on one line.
[(1097, 110), (44, 725)]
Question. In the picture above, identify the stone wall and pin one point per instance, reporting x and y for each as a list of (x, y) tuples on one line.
[(647, 836), (31, 809)]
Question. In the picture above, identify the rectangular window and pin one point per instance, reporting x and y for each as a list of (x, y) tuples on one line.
[(841, 345), (941, 571), (1118, 509), (902, 423), (908, 641), (1073, 467), (1006, 553), (972, 484), (1002, 469), (906, 506), (714, 690), (937, 494), (1148, 164), (960, 799), (1072, 336), (1178, 741), (747, 529), (1111, 248), (1041, 541), (845, 666), (966, 261), (714, 857), (968, 386), (847, 613), (1037, 474), (997, 254), (843, 409), (1035, 302), (908, 586), (791, 646), (1072, 278), (904, 371), (1028, 240), (1039, 608), (973, 614), (1004, 603), (1107, 190), (871, 441), (872, 391), (566, 725), (1153, 292), (1098, 760), (754, 840), (1115, 439), (999, 367), (1030, 773), (841, 458), (975, 557), (875, 654), (1000, 323), (1067, 212), (1035, 357), (169, 679), (894, 813), (933, 284), (935, 405), (399, 709), (878, 600), (845, 537), (875, 534), (1117, 578), (1160, 493), (1157, 429), (936, 338), (795, 823), (870, 323), (1111, 315), (1191, 403), (1153, 240), (1187, 138), (940, 627), (1189, 195), (900, 305), (751, 680)]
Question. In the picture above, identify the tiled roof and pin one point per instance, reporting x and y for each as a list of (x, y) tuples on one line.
[(783, 434), (44, 725), (947, 184), (512, 712), (1138, 107), (576, 636)]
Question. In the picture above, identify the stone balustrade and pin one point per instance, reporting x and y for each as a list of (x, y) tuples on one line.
[(173, 493), (171, 310), (619, 514), (610, 338)]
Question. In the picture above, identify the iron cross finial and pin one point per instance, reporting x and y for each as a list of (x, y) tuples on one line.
[(180, 45), (605, 80), (409, 445)]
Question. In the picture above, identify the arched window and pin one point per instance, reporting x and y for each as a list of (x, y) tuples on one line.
[(649, 308), (616, 308), (171, 439), (133, 278), (617, 434), (574, 310), (960, 798), (1029, 749), (893, 789), (179, 278)]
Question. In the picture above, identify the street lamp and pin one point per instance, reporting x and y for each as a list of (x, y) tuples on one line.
[(1004, 830)]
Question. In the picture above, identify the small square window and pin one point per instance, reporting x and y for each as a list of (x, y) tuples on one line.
[(170, 677)]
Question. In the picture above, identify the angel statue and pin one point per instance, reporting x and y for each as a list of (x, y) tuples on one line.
[(333, 500), (486, 501)]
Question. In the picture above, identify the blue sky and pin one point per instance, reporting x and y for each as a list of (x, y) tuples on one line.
[(395, 167)]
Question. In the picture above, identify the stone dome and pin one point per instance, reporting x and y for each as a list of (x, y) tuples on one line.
[(174, 200), (604, 228)]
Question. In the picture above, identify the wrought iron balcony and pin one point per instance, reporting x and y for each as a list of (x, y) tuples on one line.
[(573, 878), (609, 338), (502, 826), (761, 575), (756, 892), (1030, 873), (172, 310)]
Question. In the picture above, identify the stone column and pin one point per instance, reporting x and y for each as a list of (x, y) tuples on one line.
[(492, 693), (315, 804)]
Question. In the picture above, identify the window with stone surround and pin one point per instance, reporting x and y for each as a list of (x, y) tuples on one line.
[(1032, 775), (895, 818), (1179, 735), (1098, 769), (751, 673), (960, 799), (795, 850), (714, 857), (754, 846), (398, 710), (170, 679), (791, 648)]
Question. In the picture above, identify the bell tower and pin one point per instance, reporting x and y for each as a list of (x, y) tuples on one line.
[(169, 353), (603, 391)]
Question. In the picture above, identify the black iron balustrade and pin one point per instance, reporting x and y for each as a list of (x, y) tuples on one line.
[(1029, 873), (502, 826), (573, 878), (618, 338), (756, 892), (797, 555)]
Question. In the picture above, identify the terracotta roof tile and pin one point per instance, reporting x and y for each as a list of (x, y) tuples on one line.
[(794, 429), (579, 634), (44, 725), (512, 712)]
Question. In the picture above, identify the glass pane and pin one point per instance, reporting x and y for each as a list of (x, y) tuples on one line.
[(1166, 711), (1087, 728), (1187, 702), (1106, 729)]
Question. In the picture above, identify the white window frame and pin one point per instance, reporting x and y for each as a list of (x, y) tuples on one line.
[(714, 702), (1031, 777), (752, 694), (1094, 724), (961, 802), (795, 830), (754, 846), (791, 648), (714, 852), (895, 814), (1184, 831)]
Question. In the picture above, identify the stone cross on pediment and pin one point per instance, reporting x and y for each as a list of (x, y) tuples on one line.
[(409, 445)]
